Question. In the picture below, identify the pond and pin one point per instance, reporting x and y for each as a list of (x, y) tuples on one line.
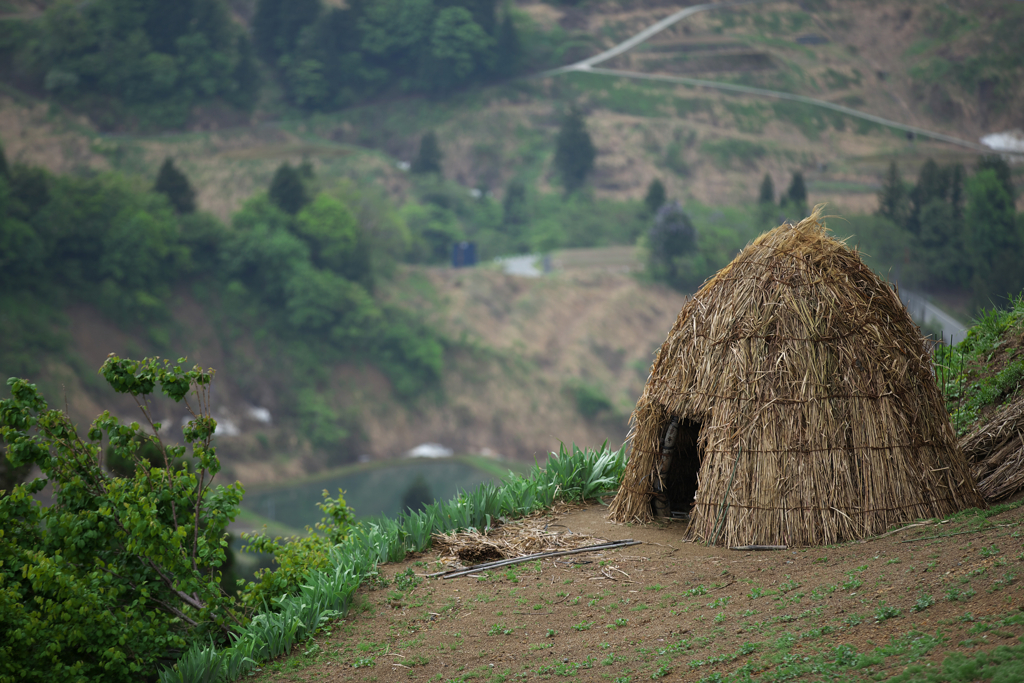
[(372, 489)]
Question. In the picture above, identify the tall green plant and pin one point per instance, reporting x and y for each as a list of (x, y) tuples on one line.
[(118, 574)]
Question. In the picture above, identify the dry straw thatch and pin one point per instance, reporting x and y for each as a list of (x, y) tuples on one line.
[(996, 452), (513, 539), (806, 396)]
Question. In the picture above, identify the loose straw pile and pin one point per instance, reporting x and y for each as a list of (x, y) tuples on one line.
[(513, 539), (996, 452), (821, 421)]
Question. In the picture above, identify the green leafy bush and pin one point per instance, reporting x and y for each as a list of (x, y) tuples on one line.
[(118, 574), (297, 557)]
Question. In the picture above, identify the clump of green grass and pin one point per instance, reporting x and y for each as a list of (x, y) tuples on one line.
[(499, 630), (923, 603), (967, 394), (886, 612)]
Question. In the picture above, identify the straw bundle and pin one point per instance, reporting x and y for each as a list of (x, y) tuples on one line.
[(996, 452), (819, 420), (513, 539)]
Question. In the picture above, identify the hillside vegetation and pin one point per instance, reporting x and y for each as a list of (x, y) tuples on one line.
[(242, 282)]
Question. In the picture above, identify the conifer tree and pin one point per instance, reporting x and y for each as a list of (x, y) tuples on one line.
[(287, 190), (5, 172), (956, 190), (767, 195), (669, 240), (509, 50), (655, 196), (514, 211), (574, 151), (892, 198), (429, 158), (932, 184), (796, 195), (173, 183)]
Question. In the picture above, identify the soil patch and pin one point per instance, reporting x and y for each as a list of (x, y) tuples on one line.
[(684, 611)]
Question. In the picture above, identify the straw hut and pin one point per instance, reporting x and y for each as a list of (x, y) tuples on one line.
[(799, 404)]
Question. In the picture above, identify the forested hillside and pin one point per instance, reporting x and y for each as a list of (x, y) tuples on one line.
[(287, 236)]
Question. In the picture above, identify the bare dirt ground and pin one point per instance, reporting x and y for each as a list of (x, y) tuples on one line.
[(682, 611)]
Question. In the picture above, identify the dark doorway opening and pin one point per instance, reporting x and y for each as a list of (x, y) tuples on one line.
[(682, 472)]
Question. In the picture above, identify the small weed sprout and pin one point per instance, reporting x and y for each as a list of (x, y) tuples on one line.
[(852, 583), (583, 626), (886, 612), (789, 585), (956, 595), (364, 662), (923, 603)]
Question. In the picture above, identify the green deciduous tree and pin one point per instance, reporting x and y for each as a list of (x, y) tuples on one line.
[(30, 189), (173, 183), (434, 230), (142, 62), (997, 164), (276, 26), (335, 240), (118, 574), (574, 151), (429, 158), (261, 253), (459, 49), (322, 301)]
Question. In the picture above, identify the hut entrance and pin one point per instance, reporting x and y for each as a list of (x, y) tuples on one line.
[(682, 463)]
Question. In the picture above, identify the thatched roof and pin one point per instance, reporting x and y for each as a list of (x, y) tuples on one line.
[(995, 450), (820, 419)]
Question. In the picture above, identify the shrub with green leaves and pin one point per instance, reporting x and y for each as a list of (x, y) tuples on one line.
[(296, 557), (118, 574)]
